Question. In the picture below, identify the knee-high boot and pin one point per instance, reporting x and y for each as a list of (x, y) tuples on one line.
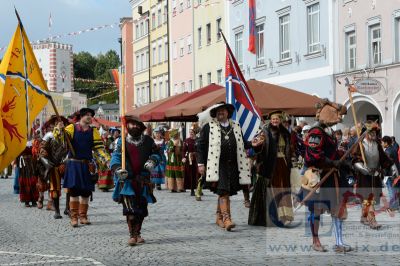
[(219, 220), (224, 203), (373, 224), (57, 208), (74, 212), (40, 201), (83, 217), (138, 228), (131, 227), (67, 198)]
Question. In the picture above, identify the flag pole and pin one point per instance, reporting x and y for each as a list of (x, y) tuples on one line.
[(122, 110)]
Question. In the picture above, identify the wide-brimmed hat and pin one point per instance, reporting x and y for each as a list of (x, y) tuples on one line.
[(136, 120), (53, 120), (277, 113), (222, 105), (85, 110)]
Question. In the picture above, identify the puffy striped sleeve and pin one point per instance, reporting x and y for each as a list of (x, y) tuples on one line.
[(99, 151)]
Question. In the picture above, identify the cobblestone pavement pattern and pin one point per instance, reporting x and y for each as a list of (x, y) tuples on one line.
[(179, 231)]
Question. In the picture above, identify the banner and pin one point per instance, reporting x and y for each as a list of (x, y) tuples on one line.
[(23, 94)]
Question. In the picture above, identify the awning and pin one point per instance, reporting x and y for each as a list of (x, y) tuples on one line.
[(156, 111), (268, 97), (98, 121)]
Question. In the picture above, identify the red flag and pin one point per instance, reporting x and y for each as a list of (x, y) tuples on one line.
[(252, 26), (115, 77)]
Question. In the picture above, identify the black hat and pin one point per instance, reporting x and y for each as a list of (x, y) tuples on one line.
[(135, 119), (86, 110), (222, 105)]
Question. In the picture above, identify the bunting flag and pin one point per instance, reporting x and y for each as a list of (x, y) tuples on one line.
[(23, 94), (115, 76), (237, 93), (252, 26)]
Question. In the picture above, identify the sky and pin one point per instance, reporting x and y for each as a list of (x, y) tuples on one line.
[(67, 16)]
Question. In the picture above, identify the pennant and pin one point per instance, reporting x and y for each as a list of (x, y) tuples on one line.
[(23, 94), (252, 26), (115, 77)]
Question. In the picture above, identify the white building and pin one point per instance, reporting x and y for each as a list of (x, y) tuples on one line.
[(78, 100), (56, 62)]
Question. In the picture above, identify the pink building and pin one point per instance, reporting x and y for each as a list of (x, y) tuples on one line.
[(181, 45), (127, 58), (369, 55)]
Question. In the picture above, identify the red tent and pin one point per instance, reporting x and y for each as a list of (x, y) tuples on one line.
[(98, 121)]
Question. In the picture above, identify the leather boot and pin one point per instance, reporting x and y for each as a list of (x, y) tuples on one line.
[(66, 210), (40, 201), (246, 195), (224, 205), (57, 214), (364, 213), (172, 184), (50, 206), (138, 228), (83, 209), (132, 239), (229, 211), (74, 211), (373, 224), (219, 220)]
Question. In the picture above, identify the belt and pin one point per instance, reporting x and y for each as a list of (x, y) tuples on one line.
[(78, 160)]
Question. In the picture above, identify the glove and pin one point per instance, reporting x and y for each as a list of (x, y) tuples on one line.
[(149, 165), (122, 174)]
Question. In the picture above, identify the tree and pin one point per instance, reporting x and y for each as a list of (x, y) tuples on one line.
[(105, 63)]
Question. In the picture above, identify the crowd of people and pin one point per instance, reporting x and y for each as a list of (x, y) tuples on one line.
[(333, 168)]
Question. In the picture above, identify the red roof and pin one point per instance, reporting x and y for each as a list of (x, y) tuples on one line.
[(98, 121)]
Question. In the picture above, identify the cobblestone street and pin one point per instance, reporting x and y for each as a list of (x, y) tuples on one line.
[(180, 231)]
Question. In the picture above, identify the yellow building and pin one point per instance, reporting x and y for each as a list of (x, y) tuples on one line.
[(150, 49), (209, 46)]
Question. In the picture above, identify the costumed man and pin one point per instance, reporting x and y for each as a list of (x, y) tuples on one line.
[(370, 176), (175, 168), (320, 157), (81, 174), (222, 158), (52, 157), (132, 185), (189, 159)]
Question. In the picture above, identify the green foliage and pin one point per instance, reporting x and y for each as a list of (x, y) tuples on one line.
[(98, 68)]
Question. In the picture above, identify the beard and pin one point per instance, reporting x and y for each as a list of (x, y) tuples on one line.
[(135, 132)]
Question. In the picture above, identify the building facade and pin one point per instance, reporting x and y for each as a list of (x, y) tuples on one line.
[(209, 18), (127, 60), (369, 45), (107, 111), (181, 49), (295, 45), (56, 62), (151, 50)]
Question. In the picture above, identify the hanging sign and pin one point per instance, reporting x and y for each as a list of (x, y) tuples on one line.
[(368, 86)]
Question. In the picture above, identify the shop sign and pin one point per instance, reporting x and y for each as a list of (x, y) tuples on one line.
[(368, 86)]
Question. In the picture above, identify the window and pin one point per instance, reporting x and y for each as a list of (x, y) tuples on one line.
[(154, 55), (166, 51), (181, 6), (155, 90), (190, 86), (182, 87), (137, 64), (376, 42), (146, 26), (208, 31), (153, 20), (147, 63), (138, 100), (176, 88), (174, 51), (141, 29), (159, 17), (166, 86), (208, 78), (137, 31), (284, 37), (199, 33), (189, 43), (219, 36), (160, 53), (142, 61), (165, 14), (181, 47), (200, 81), (313, 28), (350, 50), (239, 48), (260, 45), (160, 87), (219, 76), (189, 3)]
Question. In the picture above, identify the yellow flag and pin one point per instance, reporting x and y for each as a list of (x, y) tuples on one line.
[(23, 94)]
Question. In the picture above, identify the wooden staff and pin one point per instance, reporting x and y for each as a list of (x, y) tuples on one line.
[(350, 90), (326, 176), (123, 126)]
